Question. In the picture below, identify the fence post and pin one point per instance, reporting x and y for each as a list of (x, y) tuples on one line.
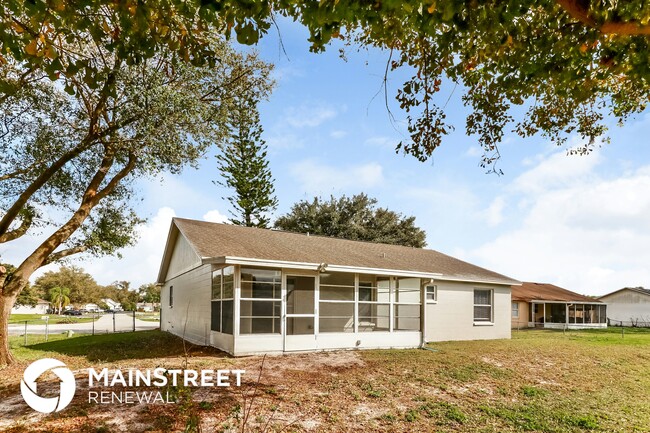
[(133, 320), (113, 321), (93, 323), (25, 332), (47, 329)]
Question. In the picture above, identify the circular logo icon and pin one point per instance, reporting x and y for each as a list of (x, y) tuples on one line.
[(47, 404)]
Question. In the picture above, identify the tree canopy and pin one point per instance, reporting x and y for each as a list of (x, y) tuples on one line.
[(568, 64), (245, 168), (356, 218)]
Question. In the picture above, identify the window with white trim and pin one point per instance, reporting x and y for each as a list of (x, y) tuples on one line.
[(515, 310), (431, 293), (483, 300)]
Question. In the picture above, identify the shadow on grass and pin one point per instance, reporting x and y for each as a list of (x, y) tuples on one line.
[(132, 345)]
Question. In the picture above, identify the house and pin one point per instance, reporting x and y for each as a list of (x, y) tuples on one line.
[(112, 305), (41, 307), (147, 307), (249, 290), (629, 306), (550, 306), (91, 307)]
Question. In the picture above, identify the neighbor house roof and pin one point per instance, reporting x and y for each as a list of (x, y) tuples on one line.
[(546, 292), (228, 243), (640, 290)]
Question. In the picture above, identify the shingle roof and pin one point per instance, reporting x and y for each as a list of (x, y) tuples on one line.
[(641, 290), (212, 240), (547, 292)]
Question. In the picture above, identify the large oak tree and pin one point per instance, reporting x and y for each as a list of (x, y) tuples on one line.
[(73, 147)]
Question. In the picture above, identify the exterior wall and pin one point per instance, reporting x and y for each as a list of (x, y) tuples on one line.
[(28, 309), (189, 317), (522, 320), (628, 307), (183, 258), (452, 316)]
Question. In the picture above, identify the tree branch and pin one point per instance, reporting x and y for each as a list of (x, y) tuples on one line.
[(65, 253), (25, 224), (579, 10)]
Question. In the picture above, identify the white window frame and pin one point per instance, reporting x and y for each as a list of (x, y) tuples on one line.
[(435, 293), (515, 309), (481, 322)]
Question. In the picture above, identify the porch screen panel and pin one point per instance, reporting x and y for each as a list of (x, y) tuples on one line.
[(406, 310), (260, 302), (374, 303), (221, 304), (336, 302), (555, 313)]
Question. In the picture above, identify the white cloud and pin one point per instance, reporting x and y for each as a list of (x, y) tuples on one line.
[(338, 134), (580, 230), (140, 263), (382, 142), (309, 115), (318, 178), (494, 213), (214, 216)]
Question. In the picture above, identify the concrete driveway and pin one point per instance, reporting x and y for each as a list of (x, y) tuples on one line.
[(123, 322)]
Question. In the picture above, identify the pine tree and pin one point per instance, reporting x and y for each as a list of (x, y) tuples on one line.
[(245, 169)]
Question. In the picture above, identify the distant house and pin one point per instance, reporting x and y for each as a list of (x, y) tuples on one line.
[(41, 307), (248, 290), (147, 307), (629, 306), (112, 305), (91, 307), (550, 306)]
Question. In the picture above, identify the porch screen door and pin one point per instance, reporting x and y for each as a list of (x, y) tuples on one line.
[(300, 317)]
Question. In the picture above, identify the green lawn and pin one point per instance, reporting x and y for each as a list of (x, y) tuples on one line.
[(538, 381), (36, 319)]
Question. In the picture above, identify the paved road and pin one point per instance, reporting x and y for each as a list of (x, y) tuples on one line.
[(123, 322)]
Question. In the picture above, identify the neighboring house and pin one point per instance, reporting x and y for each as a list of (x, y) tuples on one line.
[(91, 307), (549, 306), (147, 307), (41, 307), (248, 290), (112, 305), (629, 306)]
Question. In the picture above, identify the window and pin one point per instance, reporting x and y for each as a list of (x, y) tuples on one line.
[(171, 296), (515, 310), (431, 293), (406, 309), (482, 305), (336, 303), (260, 304), (222, 294)]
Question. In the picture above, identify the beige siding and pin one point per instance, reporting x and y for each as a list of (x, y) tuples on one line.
[(183, 258), (522, 320), (452, 317), (628, 306), (190, 315)]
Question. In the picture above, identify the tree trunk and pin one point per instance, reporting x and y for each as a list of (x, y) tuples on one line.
[(6, 303)]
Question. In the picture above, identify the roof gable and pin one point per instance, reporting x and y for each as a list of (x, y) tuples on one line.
[(213, 241), (639, 290)]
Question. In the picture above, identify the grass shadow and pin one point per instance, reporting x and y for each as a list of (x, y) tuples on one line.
[(120, 346)]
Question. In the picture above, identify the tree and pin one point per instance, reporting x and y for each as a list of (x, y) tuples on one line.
[(565, 64), (74, 148), (82, 287), (356, 218), (149, 293), (29, 295), (245, 168), (59, 296)]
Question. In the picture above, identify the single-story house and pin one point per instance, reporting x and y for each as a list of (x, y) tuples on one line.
[(147, 307), (112, 305), (629, 306), (249, 290), (550, 306), (41, 307), (91, 307)]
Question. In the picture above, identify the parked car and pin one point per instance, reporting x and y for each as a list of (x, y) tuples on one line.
[(72, 313)]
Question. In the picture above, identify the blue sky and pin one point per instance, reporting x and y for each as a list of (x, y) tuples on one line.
[(580, 222)]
